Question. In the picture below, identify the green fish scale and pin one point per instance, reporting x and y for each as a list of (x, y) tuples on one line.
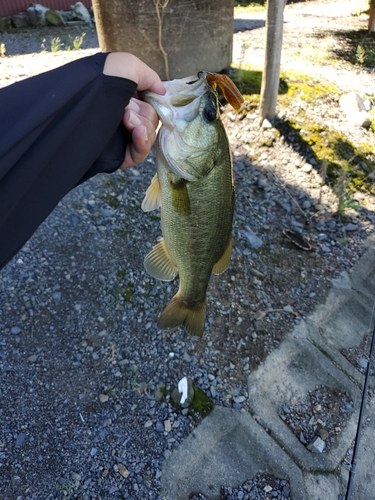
[(197, 240)]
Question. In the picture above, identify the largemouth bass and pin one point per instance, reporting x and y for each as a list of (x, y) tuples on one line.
[(194, 188)]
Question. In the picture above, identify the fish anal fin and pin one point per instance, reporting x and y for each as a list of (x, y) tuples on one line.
[(223, 263), (152, 199), (178, 313), (159, 264)]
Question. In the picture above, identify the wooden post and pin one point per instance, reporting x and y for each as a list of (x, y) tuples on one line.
[(271, 72), (371, 22)]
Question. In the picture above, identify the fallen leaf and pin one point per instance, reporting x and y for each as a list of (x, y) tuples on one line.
[(260, 315)]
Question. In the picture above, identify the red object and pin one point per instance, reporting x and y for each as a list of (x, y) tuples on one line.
[(10, 7)]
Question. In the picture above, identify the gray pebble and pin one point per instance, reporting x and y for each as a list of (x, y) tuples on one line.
[(159, 427), (20, 439), (351, 227), (253, 240), (317, 445), (306, 205), (239, 399), (76, 477), (363, 362)]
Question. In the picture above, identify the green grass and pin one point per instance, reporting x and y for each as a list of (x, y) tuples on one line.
[(246, 7), (356, 47), (56, 44), (249, 81)]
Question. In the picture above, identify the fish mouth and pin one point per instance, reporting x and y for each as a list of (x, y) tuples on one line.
[(181, 100)]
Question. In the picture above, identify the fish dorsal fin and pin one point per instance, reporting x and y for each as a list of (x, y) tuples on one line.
[(152, 199), (159, 264), (223, 263)]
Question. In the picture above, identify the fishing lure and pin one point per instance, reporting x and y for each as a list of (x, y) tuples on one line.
[(228, 88)]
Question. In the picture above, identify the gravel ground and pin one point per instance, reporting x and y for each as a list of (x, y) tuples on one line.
[(322, 414), (261, 487), (81, 359)]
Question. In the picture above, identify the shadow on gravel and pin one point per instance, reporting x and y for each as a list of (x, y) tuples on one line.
[(356, 47), (248, 24), (294, 139)]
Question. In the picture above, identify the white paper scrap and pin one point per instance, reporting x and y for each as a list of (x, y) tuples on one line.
[(183, 388)]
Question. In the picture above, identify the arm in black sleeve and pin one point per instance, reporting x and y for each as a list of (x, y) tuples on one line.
[(57, 130)]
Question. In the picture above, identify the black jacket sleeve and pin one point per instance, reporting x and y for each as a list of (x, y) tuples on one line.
[(57, 130)]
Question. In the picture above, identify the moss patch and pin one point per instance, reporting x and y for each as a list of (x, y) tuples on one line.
[(121, 273), (111, 200), (201, 403), (343, 158), (307, 89), (129, 291)]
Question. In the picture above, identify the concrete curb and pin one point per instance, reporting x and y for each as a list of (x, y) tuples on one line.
[(228, 447), (288, 374)]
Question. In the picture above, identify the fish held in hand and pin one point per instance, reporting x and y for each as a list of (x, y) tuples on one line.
[(195, 190)]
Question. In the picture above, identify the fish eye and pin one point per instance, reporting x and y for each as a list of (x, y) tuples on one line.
[(209, 113)]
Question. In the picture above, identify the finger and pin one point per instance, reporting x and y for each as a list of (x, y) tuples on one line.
[(132, 119), (127, 65), (138, 149), (143, 137), (152, 83), (143, 109), (149, 80)]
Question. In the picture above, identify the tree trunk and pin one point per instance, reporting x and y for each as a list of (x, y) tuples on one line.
[(177, 38), (371, 21), (271, 72)]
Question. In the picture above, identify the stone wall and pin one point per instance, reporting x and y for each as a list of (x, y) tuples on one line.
[(38, 15), (11, 7)]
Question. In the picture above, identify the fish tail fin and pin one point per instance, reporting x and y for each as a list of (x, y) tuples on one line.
[(177, 313)]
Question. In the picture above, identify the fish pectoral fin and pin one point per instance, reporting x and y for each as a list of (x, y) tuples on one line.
[(180, 197), (177, 313), (159, 264), (152, 199), (223, 263)]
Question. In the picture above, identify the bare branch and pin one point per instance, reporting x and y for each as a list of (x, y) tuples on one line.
[(159, 5)]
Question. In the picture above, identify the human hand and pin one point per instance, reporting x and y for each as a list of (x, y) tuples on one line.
[(127, 65), (139, 118)]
